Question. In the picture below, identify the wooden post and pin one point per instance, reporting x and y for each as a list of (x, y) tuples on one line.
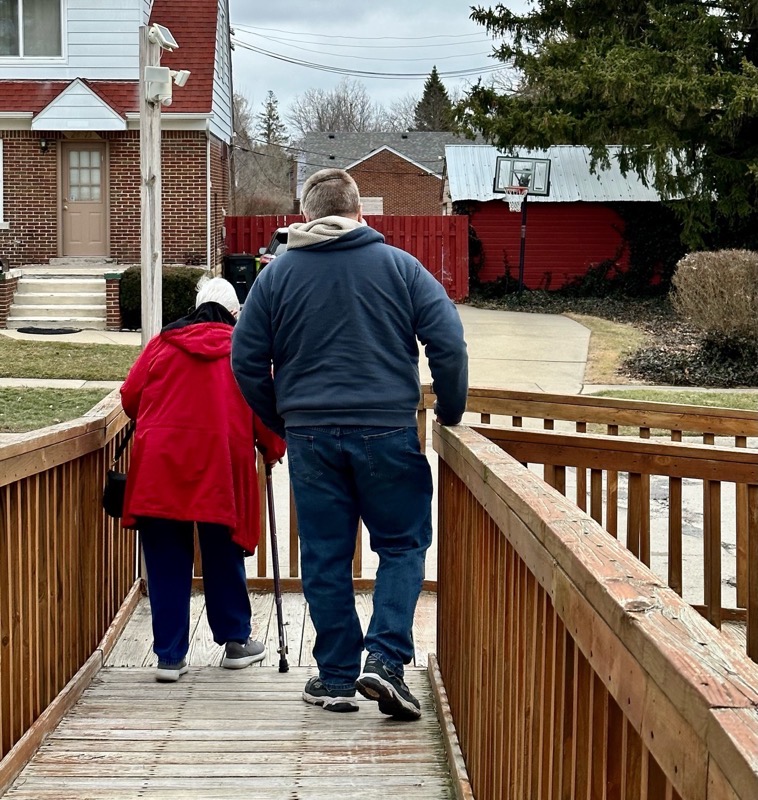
[(150, 171)]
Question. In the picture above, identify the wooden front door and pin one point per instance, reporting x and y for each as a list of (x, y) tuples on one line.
[(85, 213)]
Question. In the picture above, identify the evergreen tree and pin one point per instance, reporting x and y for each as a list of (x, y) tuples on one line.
[(434, 112), (674, 82), (269, 126)]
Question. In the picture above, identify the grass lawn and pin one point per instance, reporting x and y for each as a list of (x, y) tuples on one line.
[(610, 342), (24, 409), (734, 399), (87, 362)]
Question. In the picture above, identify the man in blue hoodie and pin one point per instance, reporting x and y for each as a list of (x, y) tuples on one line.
[(338, 315)]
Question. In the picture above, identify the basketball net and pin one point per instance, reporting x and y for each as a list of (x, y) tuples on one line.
[(514, 196)]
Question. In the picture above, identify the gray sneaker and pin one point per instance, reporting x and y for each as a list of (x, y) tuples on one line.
[(170, 673), (237, 656)]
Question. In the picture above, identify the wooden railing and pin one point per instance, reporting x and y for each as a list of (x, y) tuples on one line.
[(65, 568), (570, 669), (630, 466)]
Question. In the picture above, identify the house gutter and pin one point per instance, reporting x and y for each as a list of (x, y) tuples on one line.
[(208, 194)]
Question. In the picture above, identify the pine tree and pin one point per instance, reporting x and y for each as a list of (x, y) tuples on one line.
[(434, 111), (269, 126)]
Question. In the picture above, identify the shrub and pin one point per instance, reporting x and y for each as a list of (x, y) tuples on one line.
[(179, 290), (718, 293)]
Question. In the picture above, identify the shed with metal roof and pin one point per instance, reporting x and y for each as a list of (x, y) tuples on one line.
[(576, 226)]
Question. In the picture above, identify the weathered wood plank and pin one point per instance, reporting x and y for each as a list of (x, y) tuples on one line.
[(215, 728)]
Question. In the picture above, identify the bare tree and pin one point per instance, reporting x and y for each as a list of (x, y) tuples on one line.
[(347, 108), (400, 115), (262, 172)]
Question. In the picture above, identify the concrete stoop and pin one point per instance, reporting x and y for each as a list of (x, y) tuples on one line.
[(67, 293)]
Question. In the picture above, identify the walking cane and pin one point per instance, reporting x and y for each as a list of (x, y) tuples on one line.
[(283, 665)]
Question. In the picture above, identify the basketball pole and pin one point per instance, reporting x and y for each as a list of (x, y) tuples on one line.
[(523, 245)]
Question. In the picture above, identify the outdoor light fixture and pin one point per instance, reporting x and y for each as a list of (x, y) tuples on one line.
[(44, 145)]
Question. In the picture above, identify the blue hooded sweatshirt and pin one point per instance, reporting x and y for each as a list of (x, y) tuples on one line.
[(339, 322)]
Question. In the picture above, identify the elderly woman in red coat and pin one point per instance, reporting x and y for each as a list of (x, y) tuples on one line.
[(193, 461)]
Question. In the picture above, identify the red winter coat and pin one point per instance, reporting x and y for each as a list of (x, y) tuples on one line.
[(193, 457)]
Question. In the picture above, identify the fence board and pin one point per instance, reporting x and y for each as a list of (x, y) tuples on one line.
[(440, 243)]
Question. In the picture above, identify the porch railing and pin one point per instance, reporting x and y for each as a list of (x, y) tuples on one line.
[(570, 669), (65, 568)]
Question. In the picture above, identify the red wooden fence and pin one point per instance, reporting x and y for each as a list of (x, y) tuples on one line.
[(439, 243)]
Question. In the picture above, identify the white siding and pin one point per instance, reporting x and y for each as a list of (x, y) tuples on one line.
[(221, 122), (100, 41), (147, 6), (78, 108)]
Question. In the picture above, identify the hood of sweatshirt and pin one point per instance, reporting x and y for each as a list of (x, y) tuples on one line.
[(331, 233)]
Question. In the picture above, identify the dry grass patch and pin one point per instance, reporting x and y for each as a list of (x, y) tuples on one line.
[(610, 343)]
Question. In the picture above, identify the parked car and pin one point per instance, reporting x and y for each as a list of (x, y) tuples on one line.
[(276, 247)]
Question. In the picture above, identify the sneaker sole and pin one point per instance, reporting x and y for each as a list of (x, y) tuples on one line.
[(373, 687), (170, 675), (338, 704), (241, 663)]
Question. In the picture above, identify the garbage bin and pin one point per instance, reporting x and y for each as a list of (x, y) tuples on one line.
[(239, 270)]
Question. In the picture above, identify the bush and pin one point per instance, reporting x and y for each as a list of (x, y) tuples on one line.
[(179, 290), (718, 293)]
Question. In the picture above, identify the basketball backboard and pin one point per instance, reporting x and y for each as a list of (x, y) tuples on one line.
[(533, 173)]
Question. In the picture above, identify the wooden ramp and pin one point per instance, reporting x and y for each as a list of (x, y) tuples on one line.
[(224, 734), (236, 734)]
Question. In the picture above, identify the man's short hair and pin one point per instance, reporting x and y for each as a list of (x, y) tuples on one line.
[(330, 192)]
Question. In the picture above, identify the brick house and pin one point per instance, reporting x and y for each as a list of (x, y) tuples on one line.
[(69, 130), (396, 173)]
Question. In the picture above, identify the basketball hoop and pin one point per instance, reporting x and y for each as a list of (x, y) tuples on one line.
[(514, 196)]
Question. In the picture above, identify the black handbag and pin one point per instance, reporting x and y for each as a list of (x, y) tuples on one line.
[(115, 482)]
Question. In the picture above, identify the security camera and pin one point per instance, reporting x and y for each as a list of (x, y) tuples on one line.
[(180, 77), (158, 34)]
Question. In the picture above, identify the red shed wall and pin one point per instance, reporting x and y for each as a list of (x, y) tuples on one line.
[(562, 240)]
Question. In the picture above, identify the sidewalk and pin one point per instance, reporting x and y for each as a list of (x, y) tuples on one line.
[(507, 350)]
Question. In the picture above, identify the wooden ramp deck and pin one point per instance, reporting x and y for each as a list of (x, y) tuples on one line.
[(221, 734)]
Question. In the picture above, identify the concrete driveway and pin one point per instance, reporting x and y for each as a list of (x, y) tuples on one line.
[(523, 352)]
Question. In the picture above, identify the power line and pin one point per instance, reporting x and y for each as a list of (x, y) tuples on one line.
[(297, 149), (359, 38), (321, 165), (252, 32), (461, 73), (426, 59)]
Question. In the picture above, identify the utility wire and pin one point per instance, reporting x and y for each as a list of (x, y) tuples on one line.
[(426, 59), (321, 165), (297, 149), (461, 73), (360, 38), (283, 40)]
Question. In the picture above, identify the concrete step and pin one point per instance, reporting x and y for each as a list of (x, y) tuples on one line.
[(38, 298), (47, 311), (77, 285), (87, 323), (81, 261)]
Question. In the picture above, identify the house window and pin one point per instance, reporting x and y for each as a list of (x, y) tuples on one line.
[(30, 28)]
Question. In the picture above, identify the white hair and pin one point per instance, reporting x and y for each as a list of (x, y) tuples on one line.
[(217, 290)]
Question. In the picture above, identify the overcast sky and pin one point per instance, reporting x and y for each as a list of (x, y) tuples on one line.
[(355, 35)]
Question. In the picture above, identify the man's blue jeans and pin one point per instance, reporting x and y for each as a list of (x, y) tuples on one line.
[(340, 475)]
